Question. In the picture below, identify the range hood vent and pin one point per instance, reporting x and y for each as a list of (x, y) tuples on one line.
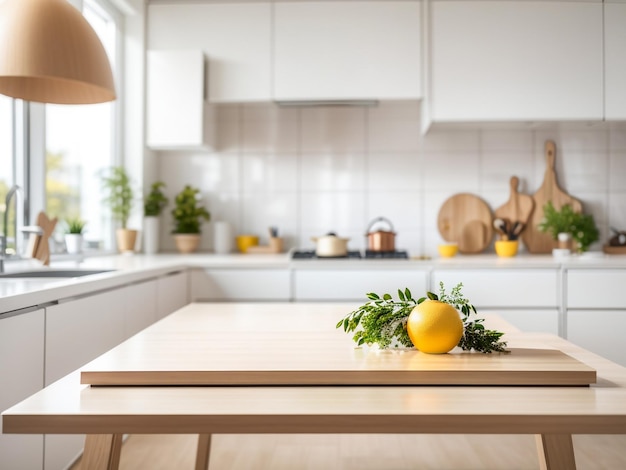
[(313, 103)]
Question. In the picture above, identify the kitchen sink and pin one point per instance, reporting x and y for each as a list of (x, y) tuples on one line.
[(52, 273)]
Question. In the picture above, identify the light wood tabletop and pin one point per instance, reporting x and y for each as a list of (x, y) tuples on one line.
[(106, 413)]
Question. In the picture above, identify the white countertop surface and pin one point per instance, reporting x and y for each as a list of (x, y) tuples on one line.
[(19, 293)]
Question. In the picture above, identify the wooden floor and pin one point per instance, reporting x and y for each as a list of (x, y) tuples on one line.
[(362, 452)]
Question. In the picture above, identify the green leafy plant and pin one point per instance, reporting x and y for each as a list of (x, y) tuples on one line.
[(75, 225), (382, 319), (582, 227), (188, 212), (119, 198), (155, 200)]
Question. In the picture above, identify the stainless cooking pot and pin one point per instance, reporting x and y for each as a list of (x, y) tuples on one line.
[(331, 245), (381, 240)]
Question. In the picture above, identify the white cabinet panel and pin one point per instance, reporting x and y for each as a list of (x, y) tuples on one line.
[(235, 37), (172, 293), (599, 331), (542, 321), (140, 306), (596, 288), (347, 50), (516, 60), (240, 284), (21, 373), (505, 288), (354, 284), (178, 115), (615, 60)]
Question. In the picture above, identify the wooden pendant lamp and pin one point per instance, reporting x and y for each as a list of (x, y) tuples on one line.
[(49, 53)]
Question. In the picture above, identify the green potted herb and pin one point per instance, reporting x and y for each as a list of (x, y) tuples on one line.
[(153, 205), (188, 215), (74, 234), (564, 225), (119, 197)]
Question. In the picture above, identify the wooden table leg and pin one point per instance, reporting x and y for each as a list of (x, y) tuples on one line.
[(102, 452), (204, 452), (556, 452)]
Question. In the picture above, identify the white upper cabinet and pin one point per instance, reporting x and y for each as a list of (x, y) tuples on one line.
[(177, 111), (235, 38), (347, 50), (615, 61), (516, 60)]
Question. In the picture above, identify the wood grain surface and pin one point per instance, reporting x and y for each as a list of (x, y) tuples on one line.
[(536, 241), (201, 354), (42, 251), (518, 208), (466, 219)]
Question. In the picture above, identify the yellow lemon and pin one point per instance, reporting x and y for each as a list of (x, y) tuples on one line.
[(434, 327)]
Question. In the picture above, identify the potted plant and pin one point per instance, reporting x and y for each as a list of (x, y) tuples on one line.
[(564, 226), (119, 198), (74, 235), (154, 204), (188, 214)]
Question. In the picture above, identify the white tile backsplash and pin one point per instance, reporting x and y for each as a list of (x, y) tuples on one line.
[(314, 170)]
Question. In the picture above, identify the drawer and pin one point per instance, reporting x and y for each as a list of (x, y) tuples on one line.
[(240, 284), (596, 288), (504, 288)]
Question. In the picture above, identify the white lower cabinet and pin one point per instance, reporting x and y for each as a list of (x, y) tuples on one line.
[(172, 293), (140, 307), (353, 284), (21, 372), (530, 320), (599, 331), (240, 284)]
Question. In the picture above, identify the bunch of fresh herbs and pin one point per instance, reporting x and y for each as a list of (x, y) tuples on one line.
[(382, 319)]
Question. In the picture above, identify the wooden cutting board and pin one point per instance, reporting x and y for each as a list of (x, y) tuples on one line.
[(519, 207), (42, 252), (466, 219), (536, 241)]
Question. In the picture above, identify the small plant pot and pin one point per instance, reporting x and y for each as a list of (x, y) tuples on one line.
[(126, 240), (187, 242), (74, 243), (506, 248)]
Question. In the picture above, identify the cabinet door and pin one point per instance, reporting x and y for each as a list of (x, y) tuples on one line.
[(140, 306), (599, 331), (596, 288), (172, 293), (503, 288), (235, 37), (347, 50), (176, 102), (530, 320), (516, 60), (240, 284), (21, 369), (614, 60), (354, 284)]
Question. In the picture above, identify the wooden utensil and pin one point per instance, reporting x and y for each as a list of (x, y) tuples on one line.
[(43, 248), (519, 207), (466, 219), (536, 241)]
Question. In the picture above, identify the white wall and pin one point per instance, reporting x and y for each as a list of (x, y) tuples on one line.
[(313, 170)]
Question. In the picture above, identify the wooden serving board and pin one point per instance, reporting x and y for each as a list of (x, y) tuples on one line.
[(42, 251), (536, 241), (519, 207), (194, 346), (467, 220)]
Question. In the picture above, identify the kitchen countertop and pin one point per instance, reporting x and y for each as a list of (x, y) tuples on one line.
[(22, 293)]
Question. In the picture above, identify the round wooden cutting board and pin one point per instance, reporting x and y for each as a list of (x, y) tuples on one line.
[(466, 219)]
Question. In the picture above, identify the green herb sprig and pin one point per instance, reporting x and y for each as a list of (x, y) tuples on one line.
[(383, 318)]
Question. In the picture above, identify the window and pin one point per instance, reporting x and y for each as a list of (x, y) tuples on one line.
[(7, 157), (80, 143)]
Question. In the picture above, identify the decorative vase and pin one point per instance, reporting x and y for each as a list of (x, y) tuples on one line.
[(222, 238), (74, 243), (187, 242), (126, 240), (151, 235)]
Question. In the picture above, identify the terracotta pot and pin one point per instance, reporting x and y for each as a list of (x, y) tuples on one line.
[(381, 240), (126, 240), (187, 242)]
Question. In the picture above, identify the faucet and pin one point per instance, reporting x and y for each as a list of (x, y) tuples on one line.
[(4, 253)]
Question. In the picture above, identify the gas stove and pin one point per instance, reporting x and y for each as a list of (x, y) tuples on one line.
[(352, 254)]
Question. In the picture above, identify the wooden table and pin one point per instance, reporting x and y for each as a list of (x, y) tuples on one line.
[(106, 413)]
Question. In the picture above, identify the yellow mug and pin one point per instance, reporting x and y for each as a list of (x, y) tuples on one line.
[(506, 248), (448, 250), (246, 241)]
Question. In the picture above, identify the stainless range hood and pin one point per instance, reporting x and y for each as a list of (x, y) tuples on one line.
[(312, 103)]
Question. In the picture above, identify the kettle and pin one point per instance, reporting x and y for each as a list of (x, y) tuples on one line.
[(381, 240), (331, 246)]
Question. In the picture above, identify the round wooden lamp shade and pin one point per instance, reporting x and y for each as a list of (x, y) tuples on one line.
[(49, 53)]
